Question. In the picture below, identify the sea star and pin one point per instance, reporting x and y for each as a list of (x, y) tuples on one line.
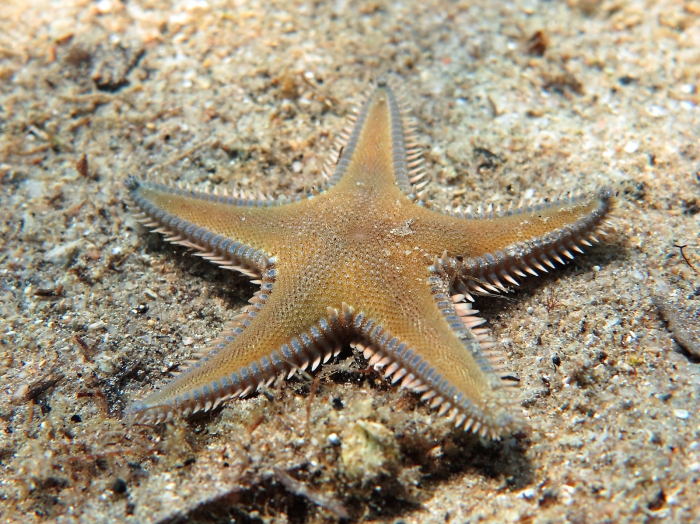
[(365, 261)]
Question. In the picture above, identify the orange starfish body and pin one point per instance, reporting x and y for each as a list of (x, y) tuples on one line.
[(364, 261)]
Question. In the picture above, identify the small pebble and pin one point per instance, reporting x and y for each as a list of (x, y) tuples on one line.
[(97, 325), (631, 146), (118, 486), (656, 111), (334, 439), (528, 494), (681, 413)]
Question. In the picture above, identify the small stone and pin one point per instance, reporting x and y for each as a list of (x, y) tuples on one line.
[(681, 413), (118, 486), (334, 439), (527, 494), (95, 326), (656, 111), (631, 146)]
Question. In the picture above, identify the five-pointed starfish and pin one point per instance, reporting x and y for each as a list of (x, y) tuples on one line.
[(363, 261)]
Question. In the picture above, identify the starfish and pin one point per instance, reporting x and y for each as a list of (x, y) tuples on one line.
[(364, 260)]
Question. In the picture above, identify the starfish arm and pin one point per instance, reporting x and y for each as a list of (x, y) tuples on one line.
[(274, 337), (437, 350), (378, 150), (485, 253), (235, 231)]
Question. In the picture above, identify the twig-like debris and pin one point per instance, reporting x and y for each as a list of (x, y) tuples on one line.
[(81, 166), (320, 499), (685, 257), (84, 346), (551, 302), (42, 385), (49, 293), (340, 154)]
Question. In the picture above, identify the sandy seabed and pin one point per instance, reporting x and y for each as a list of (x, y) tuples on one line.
[(512, 100)]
